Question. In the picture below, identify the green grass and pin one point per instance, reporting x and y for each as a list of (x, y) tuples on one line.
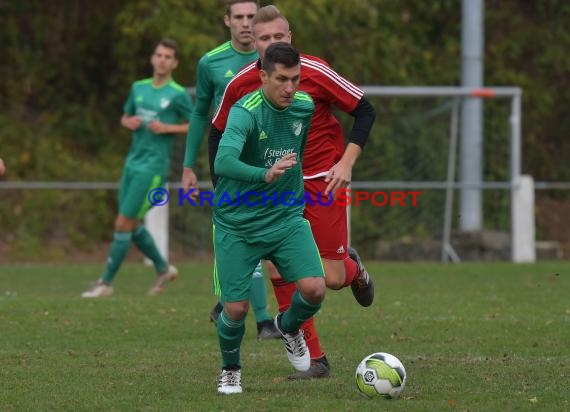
[(473, 337)]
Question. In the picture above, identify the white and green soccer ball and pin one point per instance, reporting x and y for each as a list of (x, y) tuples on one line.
[(381, 375)]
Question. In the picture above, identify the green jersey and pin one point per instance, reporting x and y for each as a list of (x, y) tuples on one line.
[(215, 69), (256, 136), (170, 104)]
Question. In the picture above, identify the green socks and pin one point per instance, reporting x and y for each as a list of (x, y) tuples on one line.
[(258, 295), (299, 312), (145, 243), (117, 253), (230, 335)]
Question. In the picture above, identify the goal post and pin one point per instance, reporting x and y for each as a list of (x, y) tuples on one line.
[(522, 229)]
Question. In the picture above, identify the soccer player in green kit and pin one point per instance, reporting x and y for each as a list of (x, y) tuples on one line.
[(215, 69), (259, 158), (156, 109)]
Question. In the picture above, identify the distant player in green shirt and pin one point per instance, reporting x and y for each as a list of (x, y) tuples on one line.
[(259, 158), (215, 69), (156, 110)]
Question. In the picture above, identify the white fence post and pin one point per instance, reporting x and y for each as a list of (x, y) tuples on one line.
[(522, 220), (156, 222)]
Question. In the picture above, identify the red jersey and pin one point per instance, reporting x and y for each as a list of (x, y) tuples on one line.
[(325, 142)]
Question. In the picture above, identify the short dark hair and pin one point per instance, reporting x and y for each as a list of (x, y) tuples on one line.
[(169, 44), (280, 53), (230, 3)]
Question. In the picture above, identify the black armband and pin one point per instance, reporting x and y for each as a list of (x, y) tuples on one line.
[(364, 115)]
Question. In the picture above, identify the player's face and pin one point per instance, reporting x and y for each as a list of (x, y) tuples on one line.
[(280, 86), (265, 34), (239, 23), (163, 61)]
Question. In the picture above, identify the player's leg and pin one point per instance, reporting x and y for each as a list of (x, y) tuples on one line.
[(135, 205), (258, 299), (143, 240), (284, 292), (342, 264), (122, 237), (297, 259), (235, 261), (213, 144)]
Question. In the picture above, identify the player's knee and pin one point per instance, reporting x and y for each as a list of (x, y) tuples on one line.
[(334, 275), (314, 291), (334, 283), (236, 310), (124, 224)]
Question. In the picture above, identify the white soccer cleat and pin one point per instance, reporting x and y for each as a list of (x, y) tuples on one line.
[(295, 346), (162, 279), (229, 381), (98, 290)]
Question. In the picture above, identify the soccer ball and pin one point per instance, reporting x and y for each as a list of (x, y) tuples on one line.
[(381, 375)]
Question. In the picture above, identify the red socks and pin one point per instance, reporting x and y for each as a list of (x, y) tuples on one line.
[(350, 270)]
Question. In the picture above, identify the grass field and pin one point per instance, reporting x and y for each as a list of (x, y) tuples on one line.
[(473, 337)]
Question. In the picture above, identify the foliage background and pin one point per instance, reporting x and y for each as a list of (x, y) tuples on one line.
[(68, 66)]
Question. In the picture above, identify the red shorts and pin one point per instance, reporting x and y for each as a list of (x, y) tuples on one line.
[(328, 223)]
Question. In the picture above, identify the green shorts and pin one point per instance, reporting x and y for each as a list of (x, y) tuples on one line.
[(133, 192), (292, 250)]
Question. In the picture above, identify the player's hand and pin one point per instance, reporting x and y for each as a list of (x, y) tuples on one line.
[(157, 127), (339, 177), (190, 181), (2, 167), (132, 122), (280, 167)]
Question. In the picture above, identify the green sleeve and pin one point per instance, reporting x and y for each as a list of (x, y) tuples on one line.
[(228, 164), (129, 106), (199, 120), (240, 125), (184, 107)]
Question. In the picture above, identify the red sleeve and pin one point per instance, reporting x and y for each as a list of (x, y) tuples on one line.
[(333, 88), (229, 97)]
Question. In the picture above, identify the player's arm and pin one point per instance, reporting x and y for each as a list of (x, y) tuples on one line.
[(129, 120), (182, 106), (158, 127), (227, 162), (364, 116), (199, 120), (215, 136), (340, 174)]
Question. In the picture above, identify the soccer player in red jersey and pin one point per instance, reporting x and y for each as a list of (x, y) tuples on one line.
[(327, 166)]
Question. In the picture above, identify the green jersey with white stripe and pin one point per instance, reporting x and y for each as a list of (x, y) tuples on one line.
[(262, 134), (215, 70), (170, 104)]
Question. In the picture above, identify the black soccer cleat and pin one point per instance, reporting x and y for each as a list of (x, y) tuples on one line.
[(362, 286), (267, 330), (320, 368), (215, 312)]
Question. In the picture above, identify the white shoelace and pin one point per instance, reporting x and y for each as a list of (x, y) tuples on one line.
[(295, 344), (230, 378)]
